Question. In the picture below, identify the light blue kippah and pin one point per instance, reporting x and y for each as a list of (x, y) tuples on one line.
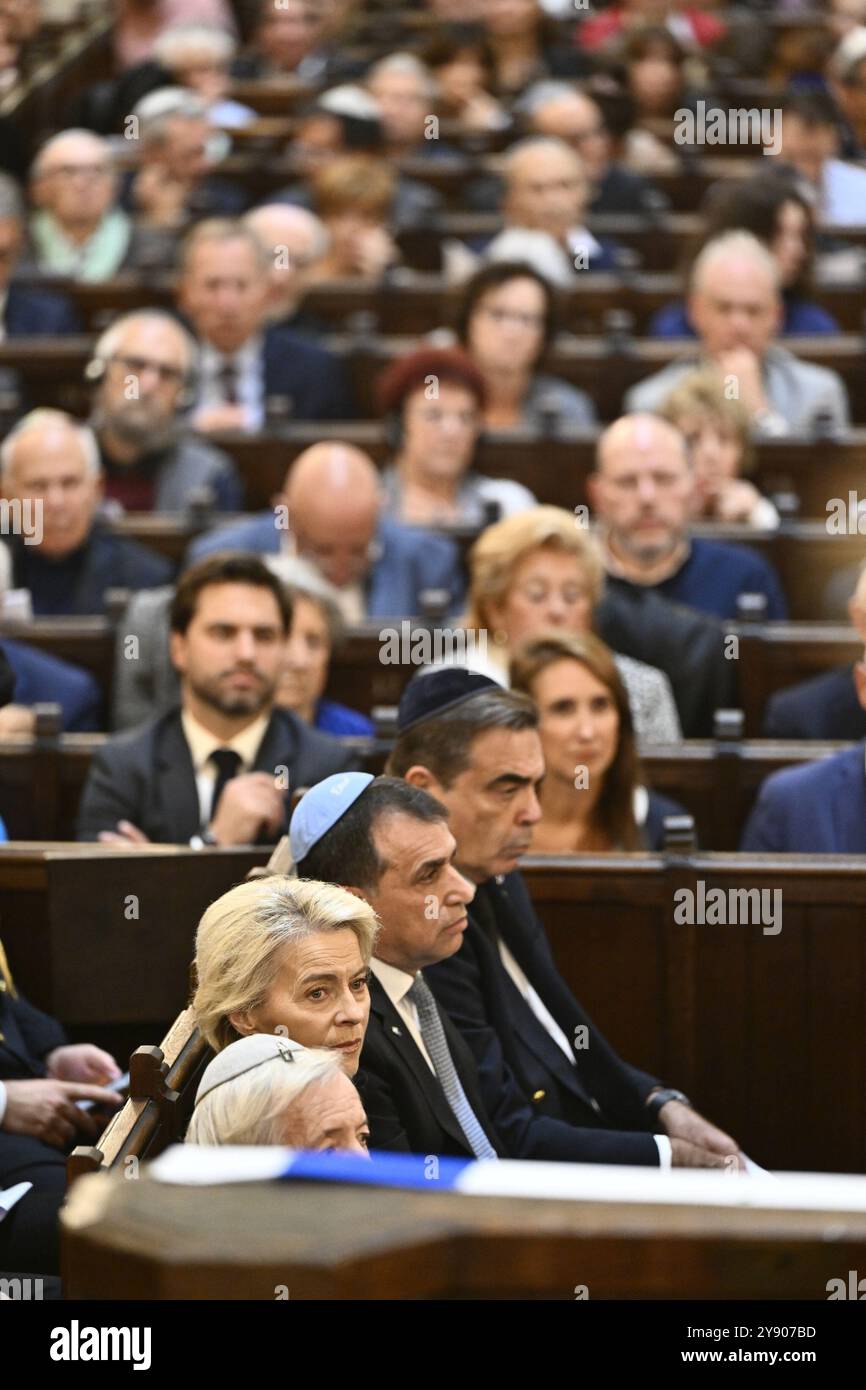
[(321, 808)]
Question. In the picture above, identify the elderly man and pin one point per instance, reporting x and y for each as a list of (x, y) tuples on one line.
[(247, 368), (23, 311), (735, 305), (642, 492), (391, 842), (561, 111), (330, 512), (219, 768), (405, 92), (293, 239), (66, 558), (77, 229), (547, 193), (175, 183), (144, 366)]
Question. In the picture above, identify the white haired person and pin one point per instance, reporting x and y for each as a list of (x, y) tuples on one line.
[(286, 956), (179, 150), (200, 58), (62, 553), (77, 229), (267, 1089)]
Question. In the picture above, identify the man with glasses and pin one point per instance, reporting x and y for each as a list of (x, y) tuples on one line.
[(643, 495), (144, 366)]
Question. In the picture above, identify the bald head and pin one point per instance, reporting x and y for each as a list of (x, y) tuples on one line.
[(53, 460), (568, 115), (734, 300), (333, 495), (643, 491), (293, 240), (73, 179), (546, 186)]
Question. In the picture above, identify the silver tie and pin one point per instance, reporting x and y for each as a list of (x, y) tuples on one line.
[(443, 1064)]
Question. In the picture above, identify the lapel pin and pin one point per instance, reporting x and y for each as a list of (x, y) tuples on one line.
[(395, 1029)]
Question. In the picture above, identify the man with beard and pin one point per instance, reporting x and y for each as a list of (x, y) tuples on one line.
[(219, 769), (144, 365)]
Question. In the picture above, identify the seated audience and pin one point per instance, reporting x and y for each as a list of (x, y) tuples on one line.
[(643, 494), (591, 799), (654, 76), (811, 143), (330, 512), (294, 39), (736, 307), (435, 435), (354, 197), (547, 192), (462, 66), (200, 58), (50, 463), (138, 24), (846, 72), (219, 768), (25, 312), (826, 706), (699, 28), (539, 572), (267, 947), (42, 1076), (247, 367), (405, 93), (563, 112), (317, 630), (782, 220), (305, 1101), (525, 45), (506, 323), (77, 229), (295, 241), (814, 807), (41, 678), (150, 460), (718, 438)]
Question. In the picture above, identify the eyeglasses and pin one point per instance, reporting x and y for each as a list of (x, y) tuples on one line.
[(535, 321), (68, 171), (136, 366)]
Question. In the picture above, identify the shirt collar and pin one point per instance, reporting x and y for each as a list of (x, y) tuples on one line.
[(396, 983), (202, 743), (246, 356)]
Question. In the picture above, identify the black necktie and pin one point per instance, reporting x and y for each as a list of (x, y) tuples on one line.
[(228, 378), (227, 763)]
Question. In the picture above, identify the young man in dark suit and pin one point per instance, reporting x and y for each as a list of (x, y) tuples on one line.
[(218, 769), (476, 748)]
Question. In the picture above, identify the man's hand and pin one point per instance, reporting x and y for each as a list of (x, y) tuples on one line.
[(736, 501), (745, 366), (686, 1155), (46, 1110), (375, 250), (17, 719), (159, 198), (681, 1122), (250, 803), (125, 834), (82, 1062), (214, 419)]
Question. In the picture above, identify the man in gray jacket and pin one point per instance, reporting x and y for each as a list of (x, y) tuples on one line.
[(735, 305)]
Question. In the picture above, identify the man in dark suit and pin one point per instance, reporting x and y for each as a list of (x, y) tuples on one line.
[(50, 473), (332, 502), (41, 678), (217, 770), (247, 370), (475, 747), (41, 1079), (26, 312)]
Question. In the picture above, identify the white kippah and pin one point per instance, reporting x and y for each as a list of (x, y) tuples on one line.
[(245, 1055)]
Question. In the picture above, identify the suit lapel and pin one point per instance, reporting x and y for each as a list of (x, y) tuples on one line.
[(176, 779), (402, 1043)]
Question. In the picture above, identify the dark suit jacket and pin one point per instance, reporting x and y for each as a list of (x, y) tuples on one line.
[(824, 706), (592, 1112), (41, 677), (313, 380), (147, 776), (110, 562), (27, 1035), (30, 312), (405, 1103), (814, 808)]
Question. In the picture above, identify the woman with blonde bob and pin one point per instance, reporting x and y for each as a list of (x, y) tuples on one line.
[(268, 1090), (289, 957), (541, 570), (591, 797)]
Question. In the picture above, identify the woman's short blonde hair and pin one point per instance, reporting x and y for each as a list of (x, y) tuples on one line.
[(701, 395), (242, 935), (355, 183), (251, 1108), (499, 550)]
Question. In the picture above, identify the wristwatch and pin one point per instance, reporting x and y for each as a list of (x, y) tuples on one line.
[(655, 1103)]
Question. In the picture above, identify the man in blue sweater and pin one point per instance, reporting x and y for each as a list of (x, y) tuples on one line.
[(643, 495)]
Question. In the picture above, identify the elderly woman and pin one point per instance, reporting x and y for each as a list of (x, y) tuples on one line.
[(286, 956), (506, 323), (433, 401), (354, 197), (591, 797), (718, 436), (268, 1090), (538, 571)]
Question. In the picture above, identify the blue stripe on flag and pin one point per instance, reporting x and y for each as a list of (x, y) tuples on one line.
[(380, 1170)]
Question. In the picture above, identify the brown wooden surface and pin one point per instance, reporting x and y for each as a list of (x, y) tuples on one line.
[(147, 1240)]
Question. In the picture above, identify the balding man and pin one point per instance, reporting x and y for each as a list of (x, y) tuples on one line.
[(330, 512), (175, 182), (294, 240), (735, 305), (51, 475), (144, 366), (77, 230), (248, 369), (547, 192), (643, 493)]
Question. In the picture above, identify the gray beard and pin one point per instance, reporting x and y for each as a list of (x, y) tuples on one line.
[(139, 434)]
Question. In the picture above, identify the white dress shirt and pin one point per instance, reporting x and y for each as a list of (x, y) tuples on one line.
[(248, 363), (396, 984), (202, 743)]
